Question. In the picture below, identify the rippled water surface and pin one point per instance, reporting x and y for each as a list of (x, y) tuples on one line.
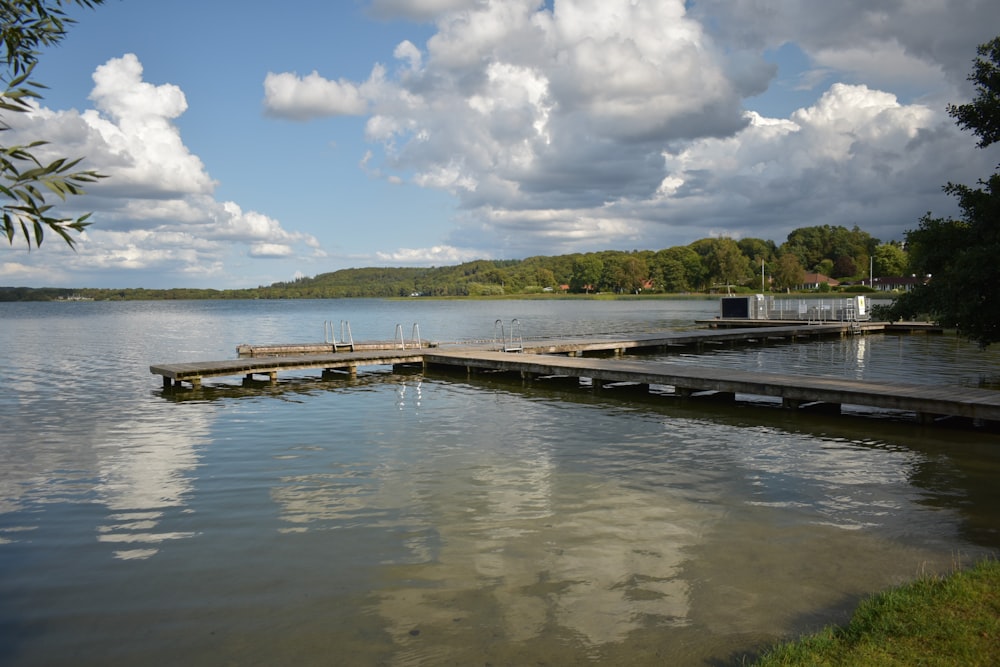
[(403, 519)]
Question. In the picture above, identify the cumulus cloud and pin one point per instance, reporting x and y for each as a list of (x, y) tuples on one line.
[(905, 40), (436, 255), (514, 104), (301, 98), (156, 209), (584, 124)]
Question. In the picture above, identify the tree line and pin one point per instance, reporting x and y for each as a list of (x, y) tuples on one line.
[(710, 264)]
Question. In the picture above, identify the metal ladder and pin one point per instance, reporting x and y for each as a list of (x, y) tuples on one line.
[(851, 315), (346, 341), (513, 344), (415, 342)]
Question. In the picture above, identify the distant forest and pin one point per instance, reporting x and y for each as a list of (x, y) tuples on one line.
[(707, 265)]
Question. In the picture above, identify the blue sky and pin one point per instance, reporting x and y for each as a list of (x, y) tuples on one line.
[(253, 142)]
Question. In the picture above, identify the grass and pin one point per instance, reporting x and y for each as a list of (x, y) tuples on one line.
[(951, 620)]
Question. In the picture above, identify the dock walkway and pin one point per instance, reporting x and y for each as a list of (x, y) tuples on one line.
[(795, 391), (271, 359), (566, 358)]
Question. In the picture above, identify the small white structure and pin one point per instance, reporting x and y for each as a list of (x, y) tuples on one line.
[(762, 307)]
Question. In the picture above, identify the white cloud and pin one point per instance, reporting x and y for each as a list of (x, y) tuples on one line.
[(418, 10), (271, 250), (408, 52), (877, 42), (584, 124), (437, 255), (290, 96), (156, 209)]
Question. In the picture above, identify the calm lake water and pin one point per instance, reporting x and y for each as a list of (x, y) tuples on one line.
[(404, 519)]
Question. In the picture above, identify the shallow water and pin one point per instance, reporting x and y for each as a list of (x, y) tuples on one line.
[(426, 520)]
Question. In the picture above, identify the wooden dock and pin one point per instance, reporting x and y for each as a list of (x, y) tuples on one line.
[(687, 381), (567, 358), (345, 362), (269, 360)]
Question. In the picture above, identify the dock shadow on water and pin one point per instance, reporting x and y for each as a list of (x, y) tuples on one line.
[(419, 520)]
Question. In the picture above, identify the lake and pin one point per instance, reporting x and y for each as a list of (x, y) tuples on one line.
[(411, 519)]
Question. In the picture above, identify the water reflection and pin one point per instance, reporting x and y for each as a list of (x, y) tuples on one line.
[(891, 358), (142, 474), (588, 559), (403, 519), (137, 471)]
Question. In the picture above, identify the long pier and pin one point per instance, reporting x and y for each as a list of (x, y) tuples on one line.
[(566, 358), (269, 360)]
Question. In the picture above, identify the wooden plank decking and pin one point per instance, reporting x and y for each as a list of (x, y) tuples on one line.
[(194, 372), (927, 402), (547, 358), (304, 356)]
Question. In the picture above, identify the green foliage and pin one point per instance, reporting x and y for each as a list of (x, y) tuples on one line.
[(587, 272), (724, 262), (670, 270), (826, 248), (982, 115), (677, 269), (788, 272), (960, 255), (25, 180), (891, 260)]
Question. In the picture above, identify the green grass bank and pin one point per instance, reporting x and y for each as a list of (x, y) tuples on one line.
[(949, 620)]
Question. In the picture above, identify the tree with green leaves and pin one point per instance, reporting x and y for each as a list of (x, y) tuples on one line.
[(677, 269), (725, 262), (587, 272), (788, 272), (26, 180), (960, 256), (890, 260)]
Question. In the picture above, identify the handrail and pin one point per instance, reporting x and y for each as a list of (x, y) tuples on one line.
[(415, 341), (505, 344), (346, 337)]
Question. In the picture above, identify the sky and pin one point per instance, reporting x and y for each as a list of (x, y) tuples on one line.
[(258, 141)]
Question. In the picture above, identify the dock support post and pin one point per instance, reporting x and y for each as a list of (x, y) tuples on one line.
[(167, 382), (596, 385), (196, 382), (352, 372), (273, 377), (528, 376), (683, 392), (790, 403)]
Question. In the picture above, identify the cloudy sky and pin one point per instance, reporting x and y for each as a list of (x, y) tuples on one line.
[(256, 141)]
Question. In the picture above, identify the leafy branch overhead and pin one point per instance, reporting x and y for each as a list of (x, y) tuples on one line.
[(960, 254), (25, 179)]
